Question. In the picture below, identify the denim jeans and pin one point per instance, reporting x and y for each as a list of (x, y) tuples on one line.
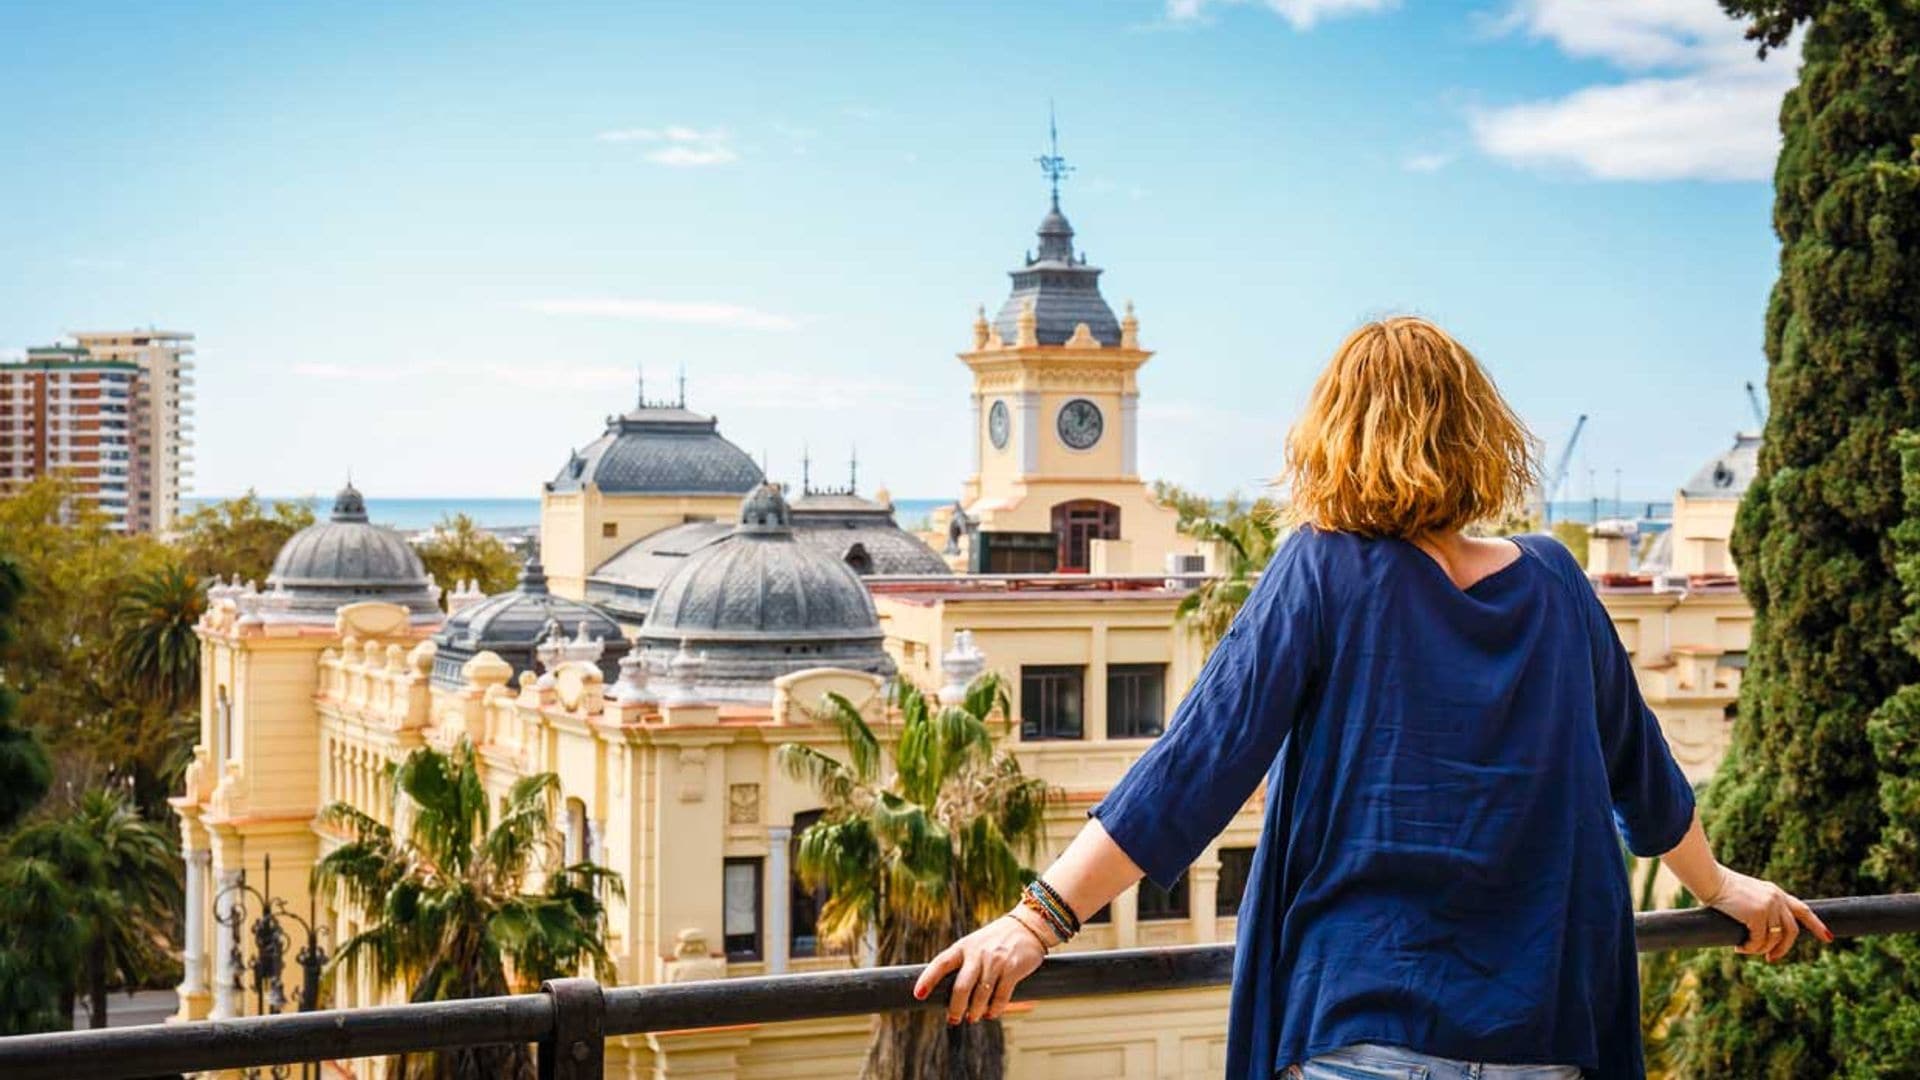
[(1367, 1061)]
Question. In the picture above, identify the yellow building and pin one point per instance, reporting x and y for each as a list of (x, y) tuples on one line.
[(1055, 485), (689, 619), (1680, 612)]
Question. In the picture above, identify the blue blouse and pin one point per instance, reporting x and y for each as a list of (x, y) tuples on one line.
[(1439, 867)]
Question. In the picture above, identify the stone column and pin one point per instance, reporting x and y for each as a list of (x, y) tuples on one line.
[(1203, 895), (778, 888), (1093, 696), (979, 434), (1126, 919), (1029, 431), (226, 1002), (194, 963)]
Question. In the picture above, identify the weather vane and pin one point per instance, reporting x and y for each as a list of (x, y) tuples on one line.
[(1051, 163)]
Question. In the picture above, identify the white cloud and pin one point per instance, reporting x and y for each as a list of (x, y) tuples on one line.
[(1300, 14), (678, 146), (693, 312), (1701, 106), (1426, 163)]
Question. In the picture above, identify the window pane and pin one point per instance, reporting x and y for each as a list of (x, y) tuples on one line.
[(740, 908), (1159, 903), (1136, 700), (1236, 865), (803, 937), (1050, 702)]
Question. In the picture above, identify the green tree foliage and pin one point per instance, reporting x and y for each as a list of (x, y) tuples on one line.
[(460, 550), (25, 773), (238, 538), (1246, 535), (919, 856), (87, 896), (460, 904), (1801, 798)]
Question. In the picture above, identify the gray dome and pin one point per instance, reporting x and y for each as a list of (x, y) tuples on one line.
[(1729, 474), (1065, 291), (513, 624), (759, 604), (660, 450), (345, 560)]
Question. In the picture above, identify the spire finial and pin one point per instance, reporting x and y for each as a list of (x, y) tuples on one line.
[(806, 471), (640, 385), (1051, 163), (683, 385), (853, 470)]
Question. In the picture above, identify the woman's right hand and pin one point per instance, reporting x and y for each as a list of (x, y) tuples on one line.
[(991, 961), (1772, 916)]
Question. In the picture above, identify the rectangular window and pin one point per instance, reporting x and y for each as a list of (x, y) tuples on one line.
[(1136, 700), (1236, 864), (609, 529), (1157, 903), (803, 904), (740, 917), (1050, 698)]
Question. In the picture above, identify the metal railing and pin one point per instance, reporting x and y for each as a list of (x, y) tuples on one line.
[(571, 1019)]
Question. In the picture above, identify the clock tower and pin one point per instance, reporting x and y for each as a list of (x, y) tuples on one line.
[(1055, 422)]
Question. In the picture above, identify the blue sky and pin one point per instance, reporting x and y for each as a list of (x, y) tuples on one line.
[(432, 243)]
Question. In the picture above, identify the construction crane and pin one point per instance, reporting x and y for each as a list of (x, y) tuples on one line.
[(1553, 481), (1759, 410)]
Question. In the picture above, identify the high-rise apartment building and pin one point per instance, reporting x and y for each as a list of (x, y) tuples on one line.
[(112, 411)]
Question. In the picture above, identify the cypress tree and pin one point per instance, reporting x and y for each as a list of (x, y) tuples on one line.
[(25, 773), (1800, 796)]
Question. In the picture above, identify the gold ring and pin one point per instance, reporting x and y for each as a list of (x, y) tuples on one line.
[(1773, 930)]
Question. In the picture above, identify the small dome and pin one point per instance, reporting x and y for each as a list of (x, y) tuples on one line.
[(513, 624), (346, 560), (660, 450), (759, 604), (1728, 474)]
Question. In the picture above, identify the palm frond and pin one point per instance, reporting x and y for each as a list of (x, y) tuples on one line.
[(863, 749), (831, 778)]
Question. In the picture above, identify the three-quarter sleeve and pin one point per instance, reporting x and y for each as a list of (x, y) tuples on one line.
[(1227, 730), (1652, 800)]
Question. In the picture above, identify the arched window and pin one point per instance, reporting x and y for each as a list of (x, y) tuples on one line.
[(576, 832), (1077, 524), (858, 558), (223, 719)]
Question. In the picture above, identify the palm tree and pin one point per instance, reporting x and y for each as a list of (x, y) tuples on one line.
[(920, 856), (1248, 536), (452, 910), (93, 891), (156, 680), (156, 652)]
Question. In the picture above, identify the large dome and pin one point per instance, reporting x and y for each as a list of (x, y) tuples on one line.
[(660, 450), (759, 604), (345, 560), (513, 624)]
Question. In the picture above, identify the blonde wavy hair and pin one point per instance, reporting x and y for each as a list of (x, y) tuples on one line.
[(1406, 435)]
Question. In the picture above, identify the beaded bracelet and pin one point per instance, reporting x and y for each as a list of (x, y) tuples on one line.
[(1052, 921), (1060, 902), (1046, 902)]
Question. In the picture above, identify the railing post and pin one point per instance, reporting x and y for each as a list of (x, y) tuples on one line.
[(577, 1047)]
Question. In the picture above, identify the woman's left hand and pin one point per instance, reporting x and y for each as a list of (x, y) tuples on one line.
[(991, 961)]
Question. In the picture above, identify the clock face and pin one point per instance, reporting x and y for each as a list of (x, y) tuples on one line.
[(998, 425), (1080, 423)]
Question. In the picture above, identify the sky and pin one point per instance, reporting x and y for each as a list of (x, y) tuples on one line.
[(433, 244)]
